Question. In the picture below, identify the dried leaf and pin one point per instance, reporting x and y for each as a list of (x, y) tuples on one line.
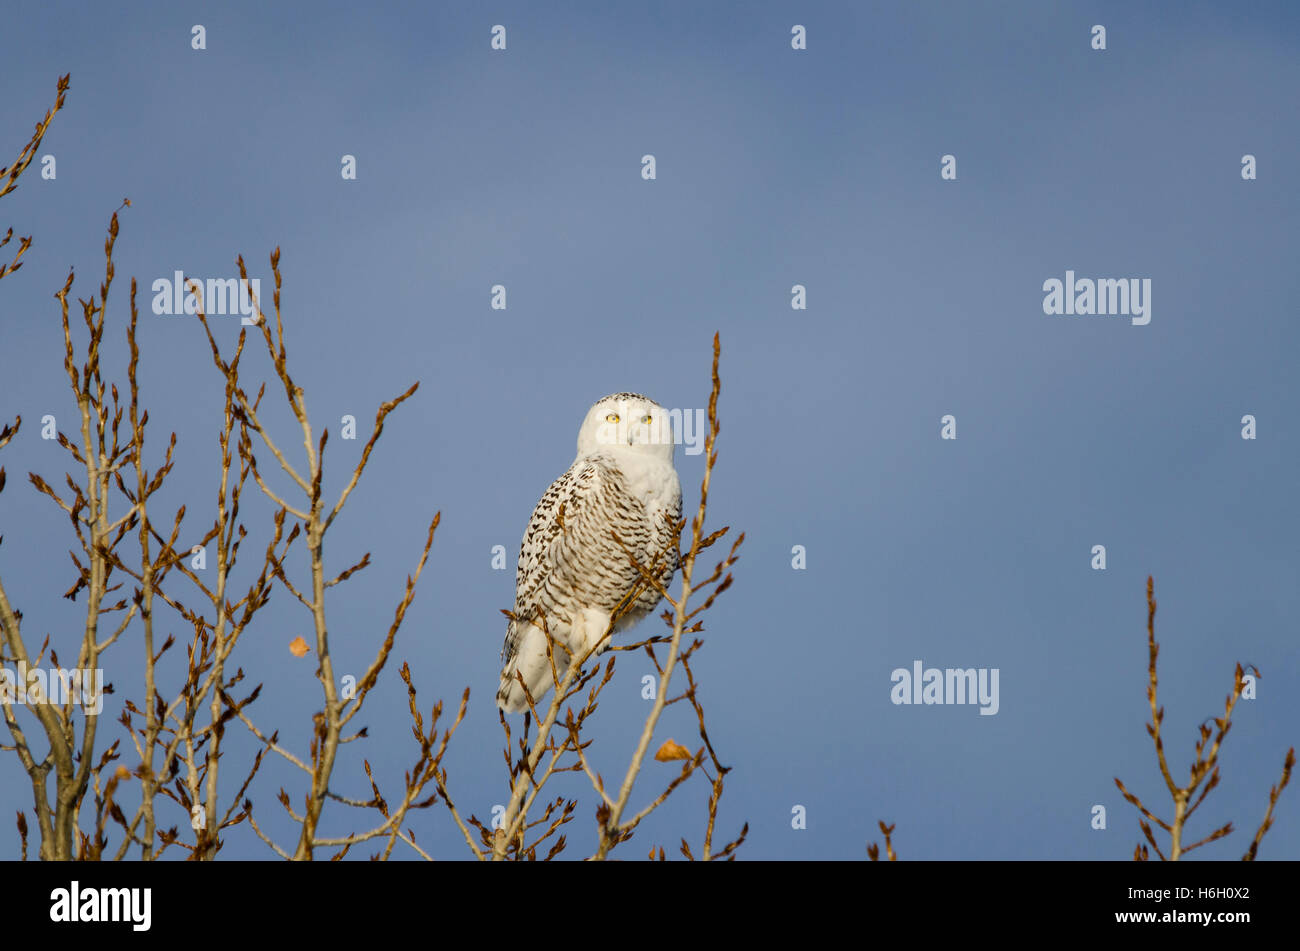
[(298, 647), (671, 750)]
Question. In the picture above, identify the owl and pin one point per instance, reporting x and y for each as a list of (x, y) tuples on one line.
[(571, 570)]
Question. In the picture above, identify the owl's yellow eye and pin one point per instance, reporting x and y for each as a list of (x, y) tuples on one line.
[(646, 419), (611, 418)]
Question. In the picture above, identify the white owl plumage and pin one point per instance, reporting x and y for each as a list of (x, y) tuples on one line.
[(571, 571)]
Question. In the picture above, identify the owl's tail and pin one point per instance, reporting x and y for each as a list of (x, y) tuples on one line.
[(528, 658)]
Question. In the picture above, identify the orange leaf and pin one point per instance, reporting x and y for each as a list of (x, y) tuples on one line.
[(298, 647), (672, 750)]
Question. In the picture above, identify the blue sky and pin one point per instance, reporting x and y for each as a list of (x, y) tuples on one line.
[(775, 167)]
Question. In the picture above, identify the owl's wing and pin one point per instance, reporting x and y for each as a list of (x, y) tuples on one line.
[(539, 550)]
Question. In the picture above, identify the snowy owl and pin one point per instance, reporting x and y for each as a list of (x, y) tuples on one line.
[(571, 571)]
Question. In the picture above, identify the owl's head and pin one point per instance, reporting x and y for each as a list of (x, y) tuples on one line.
[(627, 423)]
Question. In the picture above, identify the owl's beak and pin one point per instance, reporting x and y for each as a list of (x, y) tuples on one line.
[(630, 435)]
